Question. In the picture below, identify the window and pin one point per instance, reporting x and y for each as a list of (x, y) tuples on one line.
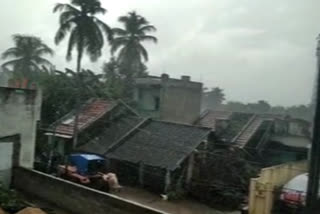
[(156, 103)]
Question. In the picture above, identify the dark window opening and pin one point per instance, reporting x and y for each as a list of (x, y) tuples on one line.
[(156, 103)]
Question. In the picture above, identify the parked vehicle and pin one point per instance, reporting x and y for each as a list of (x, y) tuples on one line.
[(89, 170), (293, 194)]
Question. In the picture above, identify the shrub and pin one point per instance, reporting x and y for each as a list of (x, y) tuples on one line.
[(10, 201)]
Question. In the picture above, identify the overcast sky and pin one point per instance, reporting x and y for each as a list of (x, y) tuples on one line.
[(253, 49)]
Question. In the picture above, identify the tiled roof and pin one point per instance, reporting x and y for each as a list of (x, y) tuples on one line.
[(160, 144), (90, 112), (209, 118), (116, 129)]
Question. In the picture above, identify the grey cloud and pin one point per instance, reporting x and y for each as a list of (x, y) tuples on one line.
[(253, 49)]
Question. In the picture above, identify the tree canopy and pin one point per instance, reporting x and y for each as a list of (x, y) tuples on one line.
[(131, 54), (87, 33), (27, 56)]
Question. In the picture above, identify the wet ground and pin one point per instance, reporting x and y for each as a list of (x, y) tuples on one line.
[(185, 206)]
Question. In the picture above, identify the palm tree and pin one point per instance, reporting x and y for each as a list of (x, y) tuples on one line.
[(26, 56), (127, 43), (85, 29), (87, 35)]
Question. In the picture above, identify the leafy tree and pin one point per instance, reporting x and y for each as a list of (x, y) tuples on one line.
[(235, 106), (301, 111), (260, 107), (226, 186), (85, 29), (60, 91), (128, 44), (27, 56), (214, 98), (278, 110), (86, 35), (113, 79)]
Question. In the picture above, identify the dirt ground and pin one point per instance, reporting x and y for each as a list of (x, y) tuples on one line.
[(185, 206)]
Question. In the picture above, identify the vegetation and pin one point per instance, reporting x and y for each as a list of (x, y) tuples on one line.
[(27, 57), (214, 99), (86, 31), (127, 41), (127, 44), (113, 79), (9, 200), (87, 35), (225, 186), (61, 92)]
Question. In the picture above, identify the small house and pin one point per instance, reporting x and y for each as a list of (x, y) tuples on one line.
[(156, 155)]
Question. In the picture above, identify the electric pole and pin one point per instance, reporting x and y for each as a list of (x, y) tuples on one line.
[(314, 162)]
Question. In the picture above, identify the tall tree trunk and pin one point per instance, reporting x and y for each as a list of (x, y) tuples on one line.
[(77, 108)]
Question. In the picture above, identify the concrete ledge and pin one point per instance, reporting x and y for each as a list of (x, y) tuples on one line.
[(74, 197)]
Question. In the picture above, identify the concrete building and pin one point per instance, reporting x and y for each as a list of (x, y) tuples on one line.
[(4, 78), (165, 98), (19, 112), (9, 157)]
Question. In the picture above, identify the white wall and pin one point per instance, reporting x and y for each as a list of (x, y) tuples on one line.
[(6, 152), (19, 113)]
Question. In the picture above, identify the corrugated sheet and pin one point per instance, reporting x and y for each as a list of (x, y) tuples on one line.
[(160, 144)]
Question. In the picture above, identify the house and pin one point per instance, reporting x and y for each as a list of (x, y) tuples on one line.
[(139, 150), (20, 108), (117, 128), (273, 139), (232, 128), (290, 141), (156, 155), (168, 99), (93, 117)]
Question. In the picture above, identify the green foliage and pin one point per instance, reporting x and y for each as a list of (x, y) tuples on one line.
[(26, 57), (86, 31), (114, 83), (226, 184), (301, 111), (10, 201), (213, 99), (61, 89), (179, 192), (127, 44)]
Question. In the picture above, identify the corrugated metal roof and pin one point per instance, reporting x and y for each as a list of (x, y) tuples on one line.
[(160, 144), (89, 113)]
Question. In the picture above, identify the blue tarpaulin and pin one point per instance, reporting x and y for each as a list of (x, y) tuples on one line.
[(81, 161)]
